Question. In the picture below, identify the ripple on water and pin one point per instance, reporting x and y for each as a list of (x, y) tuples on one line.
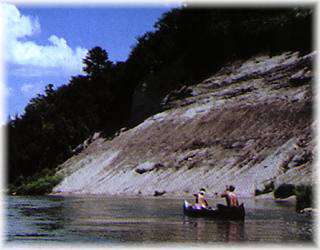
[(111, 220)]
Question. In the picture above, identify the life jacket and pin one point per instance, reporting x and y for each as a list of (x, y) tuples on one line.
[(201, 200)]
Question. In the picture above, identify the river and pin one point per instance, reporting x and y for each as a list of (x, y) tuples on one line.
[(98, 219)]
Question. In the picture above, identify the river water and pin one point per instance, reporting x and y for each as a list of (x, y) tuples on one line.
[(94, 219)]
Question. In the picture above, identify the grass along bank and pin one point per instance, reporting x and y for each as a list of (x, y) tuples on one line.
[(40, 184)]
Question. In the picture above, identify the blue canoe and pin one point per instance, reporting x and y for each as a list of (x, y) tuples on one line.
[(222, 212)]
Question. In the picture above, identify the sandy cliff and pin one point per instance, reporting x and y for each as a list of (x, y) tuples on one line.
[(248, 125)]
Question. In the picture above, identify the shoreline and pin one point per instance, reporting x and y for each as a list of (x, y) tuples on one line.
[(268, 196), (291, 200), (168, 196)]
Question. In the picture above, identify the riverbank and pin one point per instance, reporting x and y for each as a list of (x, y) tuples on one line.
[(249, 125), (216, 198)]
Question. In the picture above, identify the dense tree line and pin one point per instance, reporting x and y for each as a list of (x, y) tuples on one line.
[(187, 45)]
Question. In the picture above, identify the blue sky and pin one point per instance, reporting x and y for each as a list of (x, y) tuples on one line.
[(46, 44)]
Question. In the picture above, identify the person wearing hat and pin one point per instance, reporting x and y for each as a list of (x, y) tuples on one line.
[(201, 201)]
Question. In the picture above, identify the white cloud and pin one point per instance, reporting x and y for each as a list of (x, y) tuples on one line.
[(17, 25), (23, 52), (31, 71), (27, 88)]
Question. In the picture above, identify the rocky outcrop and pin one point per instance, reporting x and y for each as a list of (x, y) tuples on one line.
[(249, 125), (182, 93), (86, 143)]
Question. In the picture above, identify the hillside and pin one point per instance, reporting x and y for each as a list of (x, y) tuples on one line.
[(248, 125), (186, 46)]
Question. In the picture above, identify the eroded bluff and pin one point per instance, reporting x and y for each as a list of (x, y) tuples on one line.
[(249, 125)]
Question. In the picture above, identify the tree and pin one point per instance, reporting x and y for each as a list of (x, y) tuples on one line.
[(186, 46), (96, 62), (49, 90)]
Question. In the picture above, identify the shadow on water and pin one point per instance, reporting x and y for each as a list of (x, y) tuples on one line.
[(135, 220)]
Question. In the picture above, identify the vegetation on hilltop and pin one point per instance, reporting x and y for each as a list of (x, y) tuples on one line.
[(186, 46)]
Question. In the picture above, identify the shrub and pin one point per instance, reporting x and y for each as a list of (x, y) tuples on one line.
[(40, 186), (304, 196), (284, 191)]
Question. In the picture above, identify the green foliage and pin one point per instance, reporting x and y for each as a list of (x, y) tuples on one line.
[(284, 191), (303, 193), (96, 62), (190, 44), (187, 45), (304, 196), (39, 184)]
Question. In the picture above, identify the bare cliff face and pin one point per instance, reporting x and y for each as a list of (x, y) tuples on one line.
[(249, 125)]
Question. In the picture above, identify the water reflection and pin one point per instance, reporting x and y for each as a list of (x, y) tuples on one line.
[(107, 220), (206, 230), (235, 231)]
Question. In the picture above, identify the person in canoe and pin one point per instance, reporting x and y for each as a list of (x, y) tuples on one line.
[(201, 201), (231, 196)]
